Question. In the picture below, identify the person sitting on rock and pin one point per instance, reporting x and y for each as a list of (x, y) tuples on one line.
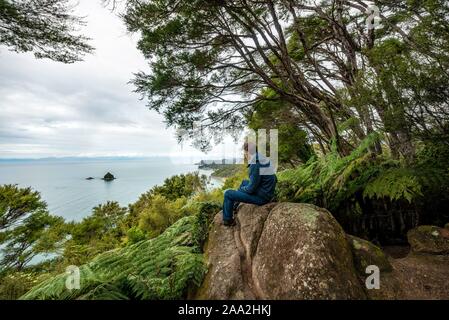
[(259, 189)]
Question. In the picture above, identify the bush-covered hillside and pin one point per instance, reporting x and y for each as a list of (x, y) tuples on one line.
[(227, 170), (28, 230), (165, 267)]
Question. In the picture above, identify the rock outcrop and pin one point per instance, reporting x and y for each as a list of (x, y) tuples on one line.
[(366, 254), (280, 251), (423, 273), (299, 251), (429, 239), (108, 177), (420, 276)]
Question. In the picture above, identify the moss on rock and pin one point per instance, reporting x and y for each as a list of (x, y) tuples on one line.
[(365, 254)]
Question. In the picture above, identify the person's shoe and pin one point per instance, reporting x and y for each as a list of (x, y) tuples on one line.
[(229, 223)]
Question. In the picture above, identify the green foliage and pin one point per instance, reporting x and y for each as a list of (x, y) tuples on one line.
[(182, 185), (27, 228), (134, 235), (204, 217), (160, 207), (39, 233), (434, 154), (365, 186), (234, 181), (117, 258), (215, 195), (99, 232), (333, 180), (326, 76), (395, 184), (160, 214), (161, 268), (293, 145), (46, 28), (16, 284), (104, 222), (16, 203), (433, 169), (227, 170)]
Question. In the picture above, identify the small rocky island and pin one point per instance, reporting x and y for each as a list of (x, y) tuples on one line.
[(89, 178), (108, 177)]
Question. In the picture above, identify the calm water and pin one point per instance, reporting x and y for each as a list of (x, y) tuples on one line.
[(63, 184)]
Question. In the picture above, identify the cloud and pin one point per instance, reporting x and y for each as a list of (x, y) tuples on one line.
[(83, 109)]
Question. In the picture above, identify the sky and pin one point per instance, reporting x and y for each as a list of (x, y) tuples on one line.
[(85, 109)]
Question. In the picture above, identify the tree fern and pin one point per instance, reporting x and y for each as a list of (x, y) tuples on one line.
[(333, 181), (395, 184), (161, 268)]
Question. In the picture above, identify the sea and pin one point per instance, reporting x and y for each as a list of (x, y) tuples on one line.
[(63, 185)]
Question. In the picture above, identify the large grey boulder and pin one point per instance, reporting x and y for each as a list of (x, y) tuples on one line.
[(280, 251)]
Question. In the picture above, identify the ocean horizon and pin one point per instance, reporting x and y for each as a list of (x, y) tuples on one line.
[(63, 185)]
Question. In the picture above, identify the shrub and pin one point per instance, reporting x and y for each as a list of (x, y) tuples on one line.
[(14, 285), (203, 220), (161, 268), (372, 195)]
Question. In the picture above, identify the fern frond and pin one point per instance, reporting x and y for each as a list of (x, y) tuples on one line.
[(395, 184), (160, 268)]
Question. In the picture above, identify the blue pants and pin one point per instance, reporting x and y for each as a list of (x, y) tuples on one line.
[(233, 196)]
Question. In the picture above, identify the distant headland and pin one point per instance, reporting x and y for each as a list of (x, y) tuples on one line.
[(215, 164)]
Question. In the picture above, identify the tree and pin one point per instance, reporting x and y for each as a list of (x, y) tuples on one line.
[(182, 185), (26, 228), (45, 27), (163, 205), (17, 203), (294, 146), (99, 232), (40, 233), (211, 60), (207, 51), (104, 222), (160, 214)]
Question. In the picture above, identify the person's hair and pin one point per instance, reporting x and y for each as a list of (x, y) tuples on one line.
[(247, 144)]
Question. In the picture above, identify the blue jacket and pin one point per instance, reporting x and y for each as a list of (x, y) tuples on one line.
[(262, 185)]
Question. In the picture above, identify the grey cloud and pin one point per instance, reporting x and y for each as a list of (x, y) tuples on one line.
[(51, 109), (86, 108)]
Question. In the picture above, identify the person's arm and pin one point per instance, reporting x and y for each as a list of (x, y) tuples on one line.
[(244, 183), (254, 179)]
